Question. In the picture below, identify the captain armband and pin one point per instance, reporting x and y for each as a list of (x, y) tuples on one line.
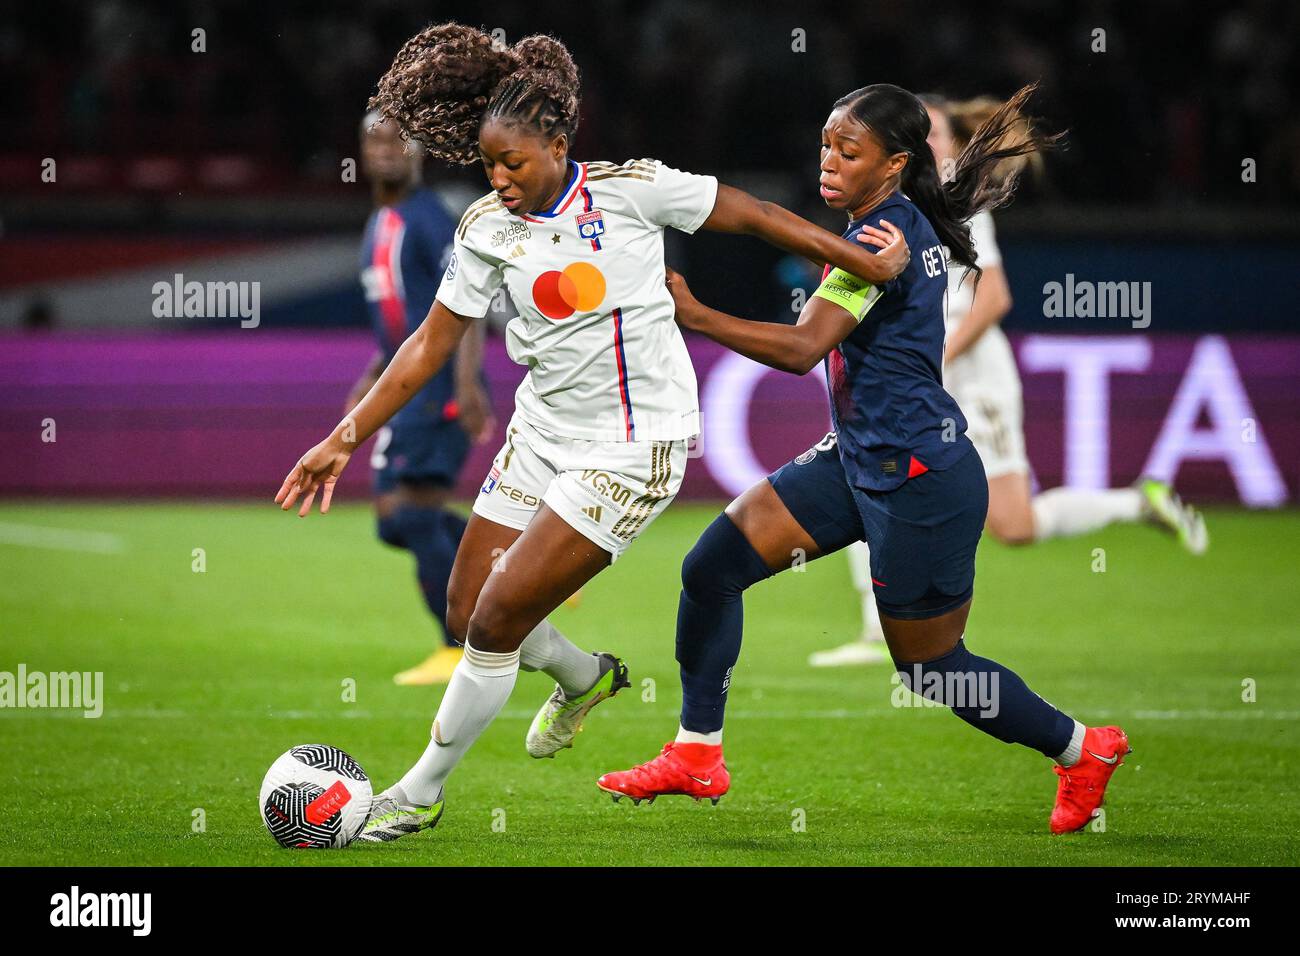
[(847, 290)]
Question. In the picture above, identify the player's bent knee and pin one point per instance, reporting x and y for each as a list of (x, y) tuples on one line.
[(1011, 531), (460, 607), (1010, 517), (457, 625), (1010, 524), (722, 564), (494, 626), (695, 569)]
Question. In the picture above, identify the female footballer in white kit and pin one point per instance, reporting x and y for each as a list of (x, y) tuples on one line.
[(980, 373), (597, 445)]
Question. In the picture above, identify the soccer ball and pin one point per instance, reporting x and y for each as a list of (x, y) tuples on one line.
[(315, 797)]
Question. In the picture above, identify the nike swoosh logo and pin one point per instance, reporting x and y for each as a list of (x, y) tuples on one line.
[(703, 783), (1112, 759)]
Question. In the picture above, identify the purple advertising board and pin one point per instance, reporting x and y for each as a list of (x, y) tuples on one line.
[(226, 414)]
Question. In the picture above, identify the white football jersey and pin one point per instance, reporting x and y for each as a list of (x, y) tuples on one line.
[(988, 365), (606, 361)]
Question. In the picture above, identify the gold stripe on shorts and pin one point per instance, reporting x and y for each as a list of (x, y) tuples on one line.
[(510, 449), (656, 490)]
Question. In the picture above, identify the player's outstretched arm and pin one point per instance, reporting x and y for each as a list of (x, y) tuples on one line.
[(788, 348), (471, 397), (991, 302), (420, 358), (737, 211), (367, 380)]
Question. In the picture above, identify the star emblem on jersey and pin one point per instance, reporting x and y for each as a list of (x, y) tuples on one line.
[(555, 238), (579, 288)]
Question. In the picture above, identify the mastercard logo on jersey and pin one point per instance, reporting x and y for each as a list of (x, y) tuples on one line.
[(579, 287)]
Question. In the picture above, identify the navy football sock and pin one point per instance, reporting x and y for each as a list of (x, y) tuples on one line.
[(432, 535), (710, 617), (991, 698), (390, 530)]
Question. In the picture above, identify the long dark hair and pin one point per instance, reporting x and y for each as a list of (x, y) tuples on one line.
[(899, 120), (447, 78)]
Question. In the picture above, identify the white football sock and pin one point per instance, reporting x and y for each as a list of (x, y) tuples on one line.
[(546, 649), (1073, 752), (860, 568), (478, 689), (1062, 512), (685, 736)]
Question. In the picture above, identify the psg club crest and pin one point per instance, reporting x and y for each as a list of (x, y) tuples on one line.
[(591, 224)]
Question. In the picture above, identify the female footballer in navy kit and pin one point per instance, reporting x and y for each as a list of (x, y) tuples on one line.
[(897, 471)]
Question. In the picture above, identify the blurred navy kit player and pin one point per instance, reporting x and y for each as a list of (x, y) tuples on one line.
[(418, 456)]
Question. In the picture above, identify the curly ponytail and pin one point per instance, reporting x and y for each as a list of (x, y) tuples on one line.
[(447, 78)]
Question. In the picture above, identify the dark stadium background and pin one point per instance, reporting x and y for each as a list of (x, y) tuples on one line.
[(226, 164)]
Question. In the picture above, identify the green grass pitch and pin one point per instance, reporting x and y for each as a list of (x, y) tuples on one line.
[(209, 676)]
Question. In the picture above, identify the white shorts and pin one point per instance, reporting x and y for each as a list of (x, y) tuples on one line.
[(608, 491), (995, 425), (986, 384)]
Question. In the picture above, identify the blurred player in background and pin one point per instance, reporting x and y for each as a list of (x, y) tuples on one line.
[(596, 449), (980, 373), (419, 454)]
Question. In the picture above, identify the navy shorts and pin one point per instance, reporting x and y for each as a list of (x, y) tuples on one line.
[(418, 449), (922, 535)]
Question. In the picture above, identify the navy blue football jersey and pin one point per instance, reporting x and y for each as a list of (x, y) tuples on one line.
[(890, 411), (403, 255)]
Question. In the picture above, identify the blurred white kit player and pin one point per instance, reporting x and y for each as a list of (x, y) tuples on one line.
[(986, 383), (984, 378)]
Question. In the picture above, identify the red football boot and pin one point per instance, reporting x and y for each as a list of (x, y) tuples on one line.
[(1082, 787), (692, 770)]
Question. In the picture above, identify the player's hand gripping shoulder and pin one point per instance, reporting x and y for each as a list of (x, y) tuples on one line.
[(685, 305), (894, 254), (737, 211)]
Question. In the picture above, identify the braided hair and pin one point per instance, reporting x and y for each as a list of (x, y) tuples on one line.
[(448, 78)]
